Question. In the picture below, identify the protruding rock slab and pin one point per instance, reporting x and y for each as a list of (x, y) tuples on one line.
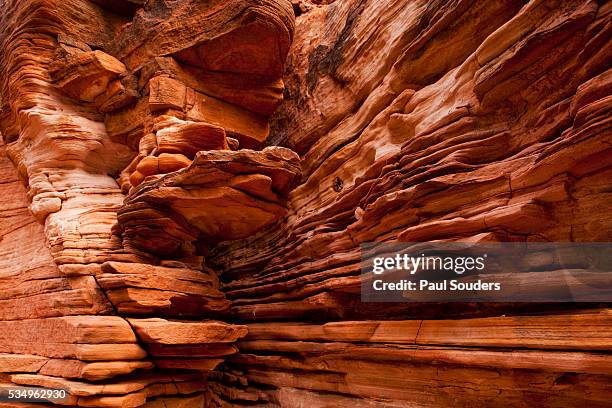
[(88, 338), (92, 371), (147, 289), (223, 194), (188, 138), (188, 345), (240, 36), (86, 75), (170, 94), (161, 331), (257, 94), (127, 392), (21, 363), (280, 164)]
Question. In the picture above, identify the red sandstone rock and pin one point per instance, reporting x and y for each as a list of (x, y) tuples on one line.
[(21, 363), (224, 194), (86, 75), (176, 136), (95, 371), (130, 125), (145, 289), (255, 93), (160, 331)]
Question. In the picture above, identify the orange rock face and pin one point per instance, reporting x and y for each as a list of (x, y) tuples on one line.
[(131, 154), (186, 185)]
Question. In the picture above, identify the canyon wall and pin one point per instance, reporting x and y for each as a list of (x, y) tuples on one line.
[(186, 185)]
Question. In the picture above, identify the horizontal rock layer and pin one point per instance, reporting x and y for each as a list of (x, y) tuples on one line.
[(154, 253), (428, 121)]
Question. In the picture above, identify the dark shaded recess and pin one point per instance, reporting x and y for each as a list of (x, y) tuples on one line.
[(297, 10), (326, 60), (122, 7), (338, 184)]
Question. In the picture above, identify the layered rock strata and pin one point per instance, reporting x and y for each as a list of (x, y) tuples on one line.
[(155, 253), (429, 121), (122, 140)]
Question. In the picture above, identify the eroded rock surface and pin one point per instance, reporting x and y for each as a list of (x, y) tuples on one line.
[(154, 252), (121, 145), (422, 121), (222, 195)]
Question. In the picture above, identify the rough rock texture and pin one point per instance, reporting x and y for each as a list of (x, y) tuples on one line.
[(135, 129), (154, 252), (417, 121)]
